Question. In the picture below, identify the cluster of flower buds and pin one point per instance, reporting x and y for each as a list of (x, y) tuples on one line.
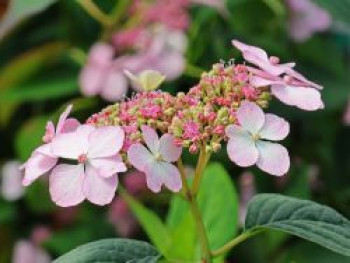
[(203, 114), (226, 105)]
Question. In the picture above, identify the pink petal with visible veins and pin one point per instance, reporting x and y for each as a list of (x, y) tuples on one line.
[(167, 148), (105, 141), (273, 158), (151, 138), (250, 116), (37, 165), (106, 167), (274, 129), (73, 144), (139, 156), (66, 182), (241, 146), (304, 98), (99, 190)]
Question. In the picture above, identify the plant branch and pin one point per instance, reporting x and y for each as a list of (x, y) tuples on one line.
[(244, 236), (190, 197), (95, 12), (203, 159)]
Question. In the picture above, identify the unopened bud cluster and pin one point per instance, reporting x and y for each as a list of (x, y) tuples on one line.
[(197, 118)]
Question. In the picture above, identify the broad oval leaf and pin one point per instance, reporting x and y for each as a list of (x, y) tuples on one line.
[(112, 251), (306, 219)]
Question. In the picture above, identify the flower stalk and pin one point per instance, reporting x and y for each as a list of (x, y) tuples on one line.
[(191, 198), (90, 7)]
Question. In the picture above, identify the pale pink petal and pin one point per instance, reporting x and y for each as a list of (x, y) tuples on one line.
[(304, 98), (151, 138), (171, 176), (37, 165), (139, 156), (71, 145), (27, 252), (258, 81), (241, 146), (259, 57), (250, 116), (302, 79), (11, 187), (167, 148), (105, 141), (171, 64), (70, 125), (46, 149), (273, 158), (108, 166), (66, 182), (101, 54), (275, 128), (99, 190), (258, 53), (63, 118), (91, 80), (159, 172), (153, 179), (115, 86)]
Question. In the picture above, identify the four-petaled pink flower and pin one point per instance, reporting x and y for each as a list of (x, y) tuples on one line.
[(292, 88), (95, 176), (42, 159), (246, 147), (156, 161)]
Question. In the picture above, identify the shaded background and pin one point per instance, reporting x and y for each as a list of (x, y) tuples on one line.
[(43, 45)]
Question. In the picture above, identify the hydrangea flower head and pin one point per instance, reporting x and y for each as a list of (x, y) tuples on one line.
[(247, 145), (156, 160)]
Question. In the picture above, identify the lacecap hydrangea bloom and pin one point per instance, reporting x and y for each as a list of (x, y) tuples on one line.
[(149, 131)]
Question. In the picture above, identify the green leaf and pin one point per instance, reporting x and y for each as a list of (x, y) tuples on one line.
[(43, 90), (19, 10), (151, 223), (30, 136), (303, 252), (37, 198), (112, 251), (306, 219), (23, 67), (218, 203)]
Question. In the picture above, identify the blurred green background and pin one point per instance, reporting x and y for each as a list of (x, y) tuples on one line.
[(43, 45)]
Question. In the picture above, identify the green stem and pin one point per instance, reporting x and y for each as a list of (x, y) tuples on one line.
[(92, 9), (203, 159), (202, 235), (244, 236)]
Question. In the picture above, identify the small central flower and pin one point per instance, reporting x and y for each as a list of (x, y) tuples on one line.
[(158, 157), (256, 137), (191, 130), (82, 158)]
